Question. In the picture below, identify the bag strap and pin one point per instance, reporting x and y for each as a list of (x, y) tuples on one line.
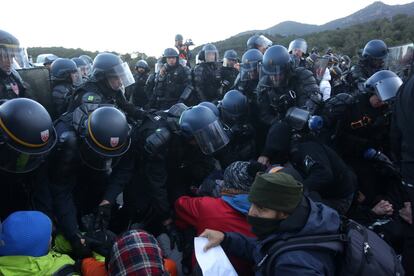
[(317, 242)]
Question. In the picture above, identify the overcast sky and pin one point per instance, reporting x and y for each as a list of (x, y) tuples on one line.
[(149, 26)]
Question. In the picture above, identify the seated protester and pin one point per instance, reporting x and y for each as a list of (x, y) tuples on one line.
[(27, 136), (226, 213), (25, 240), (89, 169), (137, 253), (280, 211), (327, 178)]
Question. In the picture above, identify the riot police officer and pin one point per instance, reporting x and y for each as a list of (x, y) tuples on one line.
[(298, 49), (11, 84), (234, 114), (27, 136), (259, 42), (371, 61), (172, 83), (207, 75), (229, 70), (137, 93), (65, 77), (83, 67), (173, 150), (109, 77), (282, 86), (87, 171)]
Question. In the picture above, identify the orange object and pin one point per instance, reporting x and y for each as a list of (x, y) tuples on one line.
[(92, 267), (170, 267)]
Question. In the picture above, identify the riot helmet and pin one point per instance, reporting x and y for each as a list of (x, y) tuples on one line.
[(374, 53), (298, 47), (142, 64), (276, 65), (9, 51), (82, 65), (89, 63), (233, 107), (259, 42), (210, 53), (170, 53), (105, 137), (384, 84), (212, 107), (204, 126), (64, 69), (249, 68), (27, 135), (49, 59), (230, 58), (111, 69)]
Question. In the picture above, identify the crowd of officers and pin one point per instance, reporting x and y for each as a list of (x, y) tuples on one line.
[(123, 147)]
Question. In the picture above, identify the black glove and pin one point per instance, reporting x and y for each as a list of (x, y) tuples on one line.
[(80, 250), (100, 241), (175, 236), (102, 217)]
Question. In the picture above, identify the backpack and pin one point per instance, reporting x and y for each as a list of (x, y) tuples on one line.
[(360, 251)]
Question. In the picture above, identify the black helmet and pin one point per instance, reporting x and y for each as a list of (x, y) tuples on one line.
[(384, 84), (233, 107), (49, 59), (300, 44), (231, 54), (230, 58), (250, 64), (62, 70), (27, 135), (375, 49), (105, 136), (258, 41), (142, 64), (79, 62), (201, 123), (87, 59), (83, 66), (107, 66), (169, 53), (212, 107), (179, 37), (276, 64), (208, 51), (9, 49)]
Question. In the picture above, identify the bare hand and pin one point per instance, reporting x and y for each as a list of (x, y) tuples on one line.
[(383, 208), (263, 160), (214, 238)]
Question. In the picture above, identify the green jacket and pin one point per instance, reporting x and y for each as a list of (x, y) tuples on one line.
[(51, 264)]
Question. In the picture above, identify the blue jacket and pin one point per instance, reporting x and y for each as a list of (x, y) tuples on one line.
[(321, 220)]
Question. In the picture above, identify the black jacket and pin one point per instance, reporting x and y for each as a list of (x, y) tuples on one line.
[(11, 86), (207, 81), (274, 102)]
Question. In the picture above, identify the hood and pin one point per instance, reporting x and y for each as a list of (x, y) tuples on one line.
[(238, 202)]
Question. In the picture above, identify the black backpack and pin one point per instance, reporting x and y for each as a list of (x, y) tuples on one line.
[(359, 251)]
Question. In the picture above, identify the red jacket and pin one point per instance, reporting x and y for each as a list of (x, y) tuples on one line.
[(216, 214)]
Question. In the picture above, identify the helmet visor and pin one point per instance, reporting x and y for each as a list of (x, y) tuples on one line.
[(10, 55), (211, 138), (264, 41), (76, 77), (94, 160), (387, 89), (15, 161), (211, 55), (228, 62), (275, 74), (297, 118), (120, 76)]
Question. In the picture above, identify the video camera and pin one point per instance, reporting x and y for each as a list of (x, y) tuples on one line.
[(189, 42)]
